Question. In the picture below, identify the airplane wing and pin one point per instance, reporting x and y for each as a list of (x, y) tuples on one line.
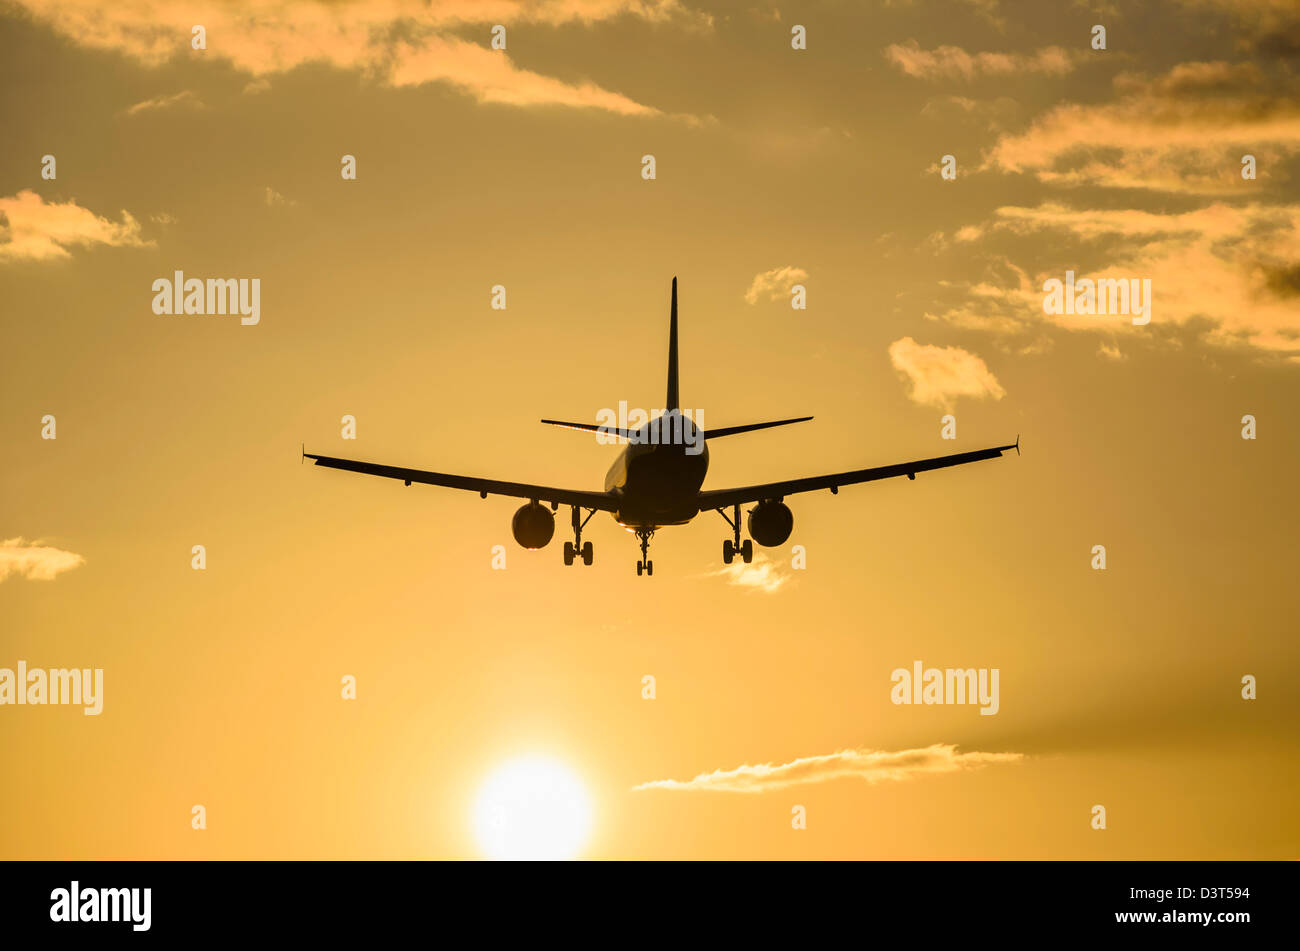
[(602, 501), (721, 498)]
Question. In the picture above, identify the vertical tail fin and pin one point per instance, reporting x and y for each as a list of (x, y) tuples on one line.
[(671, 401)]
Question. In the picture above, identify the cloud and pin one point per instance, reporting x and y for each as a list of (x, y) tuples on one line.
[(870, 765), (1284, 281), (953, 62), (939, 375), (775, 283), (762, 574), (35, 561), (274, 199), (1268, 27), (988, 10), (1232, 264), (32, 230), (996, 114), (1182, 132), (185, 98), (1235, 266), (489, 76), (399, 42)]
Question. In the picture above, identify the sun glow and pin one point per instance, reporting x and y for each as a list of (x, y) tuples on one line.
[(532, 807)]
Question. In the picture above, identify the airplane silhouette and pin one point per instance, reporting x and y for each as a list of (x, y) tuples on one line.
[(656, 481)]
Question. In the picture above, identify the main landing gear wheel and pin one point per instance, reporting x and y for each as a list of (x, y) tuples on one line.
[(645, 564), (578, 548), (730, 548)]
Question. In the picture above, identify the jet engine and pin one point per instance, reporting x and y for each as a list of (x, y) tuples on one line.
[(533, 526), (770, 523)]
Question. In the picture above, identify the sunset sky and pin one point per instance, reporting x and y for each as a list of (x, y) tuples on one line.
[(774, 166)]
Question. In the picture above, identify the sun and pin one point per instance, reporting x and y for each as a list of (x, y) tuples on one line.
[(532, 807)]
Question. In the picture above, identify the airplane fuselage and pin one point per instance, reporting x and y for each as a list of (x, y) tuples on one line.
[(658, 483)]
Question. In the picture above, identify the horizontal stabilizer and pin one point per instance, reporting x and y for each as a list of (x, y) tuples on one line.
[(733, 430), (591, 428), (708, 433)]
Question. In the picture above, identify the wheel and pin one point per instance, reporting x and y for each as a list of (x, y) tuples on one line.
[(747, 551), (639, 566), (586, 553), (728, 552), (649, 567), (568, 553)]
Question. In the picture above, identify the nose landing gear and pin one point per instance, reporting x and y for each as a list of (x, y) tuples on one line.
[(645, 564)]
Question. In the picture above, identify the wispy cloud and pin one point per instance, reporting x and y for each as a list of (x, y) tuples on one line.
[(184, 99), (274, 199), (940, 375), (399, 42), (953, 62), (775, 283), (996, 114), (1268, 27), (1228, 265), (31, 229), (871, 766), (1184, 131), (35, 561), (489, 76), (762, 574)]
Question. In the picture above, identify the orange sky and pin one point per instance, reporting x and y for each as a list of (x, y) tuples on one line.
[(523, 167)]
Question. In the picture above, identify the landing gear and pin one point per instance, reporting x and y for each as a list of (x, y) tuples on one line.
[(578, 548), (571, 552), (645, 564), (730, 549)]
